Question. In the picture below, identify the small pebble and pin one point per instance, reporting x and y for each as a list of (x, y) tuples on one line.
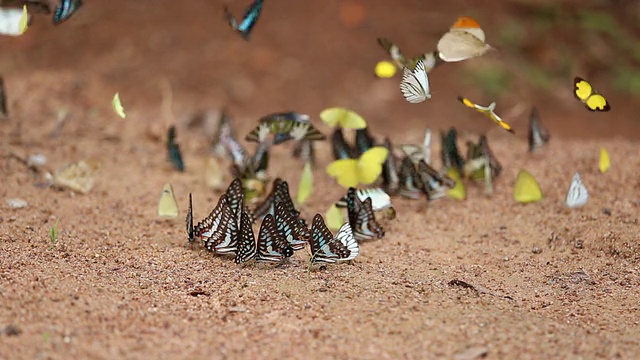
[(17, 203), (606, 211), (36, 160), (536, 250)]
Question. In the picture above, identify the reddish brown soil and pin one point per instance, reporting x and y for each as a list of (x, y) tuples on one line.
[(118, 283)]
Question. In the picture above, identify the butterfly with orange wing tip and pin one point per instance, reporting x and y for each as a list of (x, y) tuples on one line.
[(362, 218), (325, 248)]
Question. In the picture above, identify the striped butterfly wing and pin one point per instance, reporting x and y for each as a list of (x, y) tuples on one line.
[(267, 205), (366, 227), (390, 178), (64, 11), (211, 228), (231, 236), (235, 197), (577, 194), (408, 176), (324, 247), (296, 233), (283, 196), (346, 238), (272, 246), (189, 221), (415, 84), (246, 249)]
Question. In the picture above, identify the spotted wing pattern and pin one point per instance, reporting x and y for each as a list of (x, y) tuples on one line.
[(272, 246), (296, 233), (246, 249)]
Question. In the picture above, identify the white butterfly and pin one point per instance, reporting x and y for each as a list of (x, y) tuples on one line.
[(415, 84), (577, 194), (345, 236), (380, 200)]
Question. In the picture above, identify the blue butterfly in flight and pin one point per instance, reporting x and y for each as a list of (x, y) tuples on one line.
[(248, 21)]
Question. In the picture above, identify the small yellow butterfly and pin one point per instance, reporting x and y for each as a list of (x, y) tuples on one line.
[(334, 217), (488, 111), (305, 187), (385, 69), (604, 162), (117, 106), (527, 188), (24, 20), (458, 192), (77, 176), (347, 119), (168, 206), (584, 92), (365, 170)]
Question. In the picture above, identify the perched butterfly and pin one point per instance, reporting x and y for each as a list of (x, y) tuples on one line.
[(364, 170), (458, 192), (227, 237), (488, 111), (380, 200), (433, 184), (189, 221), (325, 248), (235, 197), (225, 142), (305, 151), (173, 149), (285, 126), (279, 195), (364, 141), (410, 185), (294, 231), (417, 153), (527, 188), (272, 246), (14, 22), (76, 176), (464, 40), (415, 84), (593, 100), (430, 59), (362, 218), (3, 100), (390, 177), (246, 249), (347, 119), (168, 206), (64, 11), (577, 194), (538, 135), (604, 163), (450, 156), (341, 150), (481, 164), (305, 186), (248, 20), (212, 229), (117, 106)]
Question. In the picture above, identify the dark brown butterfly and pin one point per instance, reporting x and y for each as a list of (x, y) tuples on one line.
[(296, 233), (325, 248), (246, 249), (362, 218), (272, 246)]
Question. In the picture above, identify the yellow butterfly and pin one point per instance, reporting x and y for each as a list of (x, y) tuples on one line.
[(604, 162), (305, 187), (334, 217), (487, 111), (347, 119), (527, 188), (117, 106), (385, 69), (584, 92), (168, 206), (77, 176), (458, 192), (24, 20), (365, 170)]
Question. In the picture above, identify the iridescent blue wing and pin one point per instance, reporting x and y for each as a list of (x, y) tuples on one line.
[(174, 154), (247, 242), (296, 233), (248, 21), (272, 247), (65, 10)]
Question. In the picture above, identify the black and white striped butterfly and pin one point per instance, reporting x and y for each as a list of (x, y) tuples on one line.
[(296, 233), (361, 217), (246, 249), (219, 230), (415, 84), (64, 11), (325, 248), (577, 194), (380, 200), (279, 195), (272, 246)]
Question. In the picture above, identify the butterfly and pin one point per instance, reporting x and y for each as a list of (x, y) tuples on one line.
[(117, 106), (76, 176), (325, 248), (248, 20), (347, 119), (173, 149), (604, 163), (488, 111), (236, 197), (538, 135), (14, 22), (64, 11), (279, 195), (364, 141), (284, 126), (417, 153), (334, 217), (464, 40), (214, 174), (168, 206), (390, 177), (410, 185), (450, 156), (362, 218), (246, 248), (227, 238), (458, 192), (593, 100), (365, 170), (577, 194), (272, 246), (380, 200), (213, 229), (189, 221), (305, 186), (341, 150), (430, 59), (527, 188), (415, 84), (294, 231), (481, 164), (432, 183), (3, 100), (305, 150)]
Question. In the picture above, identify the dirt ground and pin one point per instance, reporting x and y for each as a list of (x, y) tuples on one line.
[(119, 283)]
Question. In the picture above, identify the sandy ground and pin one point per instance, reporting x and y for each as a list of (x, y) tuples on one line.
[(119, 283)]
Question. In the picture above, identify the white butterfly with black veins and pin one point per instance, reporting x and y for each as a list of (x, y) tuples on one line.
[(577, 194), (415, 84)]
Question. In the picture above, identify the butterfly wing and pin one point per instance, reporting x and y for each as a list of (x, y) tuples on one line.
[(189, 221), (538, 135), (597, 102), (296, 234), (347, 119), (3, 100), (582, 89), (527, 188), (391, 180), (247, 243), (324, 247), (344, 170), (227, 241), (334, 217), (458, 192), (174, 154), (459, 45), (64, 11), (604, 163), (348, 241), (305, 187), (369, 166), (212, 228), (168, 206), (577, 195), (394, 52), (415, 84), (341, 150), (272, 247), (250, 18)]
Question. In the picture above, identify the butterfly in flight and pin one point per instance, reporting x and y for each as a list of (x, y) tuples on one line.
[(362, 218), (325, 248), (415, 84), (284, 126), (488, 111), (64, 11), (593, 100), (430, 59), (464, 40), (248, 20)]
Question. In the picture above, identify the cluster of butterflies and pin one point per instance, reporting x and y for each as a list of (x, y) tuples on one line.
[(15, 22), (228, 229)]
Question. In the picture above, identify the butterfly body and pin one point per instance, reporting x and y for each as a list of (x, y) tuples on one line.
[(63, 12), (249, 19)]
